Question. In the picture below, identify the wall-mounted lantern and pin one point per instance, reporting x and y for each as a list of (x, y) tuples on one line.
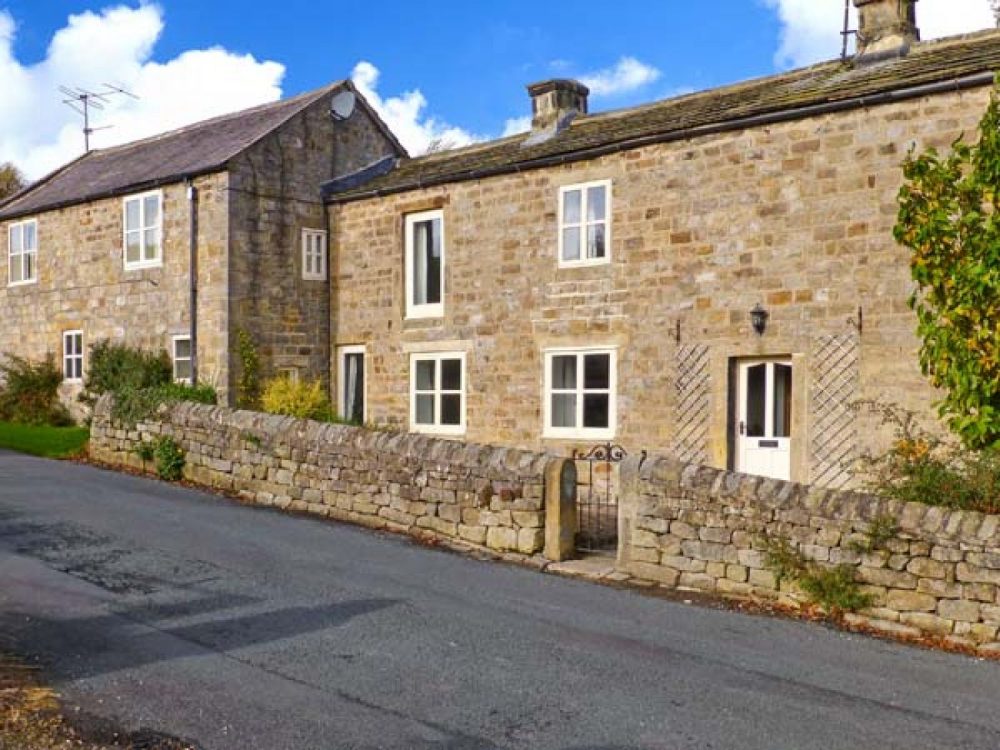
[(758, 319)]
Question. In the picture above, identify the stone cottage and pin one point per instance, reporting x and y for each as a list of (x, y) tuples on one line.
[(180, 241), (712, 276)]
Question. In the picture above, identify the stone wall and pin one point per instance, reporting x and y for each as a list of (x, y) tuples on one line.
[(702, 528), (796, 216), (405, 483), (275, 189), (83, 284)]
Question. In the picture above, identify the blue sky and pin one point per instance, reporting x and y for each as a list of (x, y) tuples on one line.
[(456, 73), (470, 59)]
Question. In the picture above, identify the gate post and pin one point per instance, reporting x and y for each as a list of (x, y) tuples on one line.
[(560, 509), (628, 508)]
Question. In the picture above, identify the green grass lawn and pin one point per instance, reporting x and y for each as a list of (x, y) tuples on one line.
[(40, 440)]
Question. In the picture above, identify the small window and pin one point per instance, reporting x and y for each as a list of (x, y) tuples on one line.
[(314, 255), (580, 393), (291, 374), (437, 393), (351, 380), (22, 253), (142, 222), (425, 265), (73, 356), (585, 224), (183, 368)]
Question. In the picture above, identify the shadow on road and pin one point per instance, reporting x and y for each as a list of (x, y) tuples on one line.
[(130, 638)]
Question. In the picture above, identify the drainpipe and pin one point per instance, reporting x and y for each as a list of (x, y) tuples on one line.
[(192, 194)]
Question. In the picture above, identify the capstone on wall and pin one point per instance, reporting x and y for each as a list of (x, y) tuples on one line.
[(796, 216), (83, 285)]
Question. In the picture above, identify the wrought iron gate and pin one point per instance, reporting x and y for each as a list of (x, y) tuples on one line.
[(597, 498)]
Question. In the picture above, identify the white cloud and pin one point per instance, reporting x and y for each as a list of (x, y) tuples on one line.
[(625, 76), (810, 29), (115, 45), (517, 125), (406, 117)]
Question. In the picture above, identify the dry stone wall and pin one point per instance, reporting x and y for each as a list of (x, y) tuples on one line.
[(399, 482), (702, 528)]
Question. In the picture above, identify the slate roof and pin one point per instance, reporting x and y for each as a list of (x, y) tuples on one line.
[(200, 148), (799, 93)]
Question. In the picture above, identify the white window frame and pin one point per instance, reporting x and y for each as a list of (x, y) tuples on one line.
[(174, 359), (437, 428), (342, 352), (583, 187), (75, 357), (142, 262), (311, 258), (579, 432), (20, 256), (434, 309), (290, 373)]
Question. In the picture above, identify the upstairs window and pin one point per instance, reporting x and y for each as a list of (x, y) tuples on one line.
[(73, 356), (437, 393), (143, 225), (580, 394), (22, 253), (585, 224), (182, 359), (314, 255), (425, 265)]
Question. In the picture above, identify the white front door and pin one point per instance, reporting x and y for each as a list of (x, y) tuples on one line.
[(764, 418)]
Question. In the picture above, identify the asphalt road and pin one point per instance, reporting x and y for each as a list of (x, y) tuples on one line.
[(236, 627)]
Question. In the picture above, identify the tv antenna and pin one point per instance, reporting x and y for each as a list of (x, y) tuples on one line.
[(82, 101), (848, 32)]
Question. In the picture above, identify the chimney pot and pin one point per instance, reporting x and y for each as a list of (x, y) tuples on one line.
[(886, 28), (554, 103)]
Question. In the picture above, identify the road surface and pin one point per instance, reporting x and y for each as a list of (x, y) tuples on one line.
[(176, 611)]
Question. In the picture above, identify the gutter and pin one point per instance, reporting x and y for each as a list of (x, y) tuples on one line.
[(137, 187), (963, 83)]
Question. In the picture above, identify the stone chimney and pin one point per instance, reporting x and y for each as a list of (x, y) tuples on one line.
[(554, 103), (887, 28)]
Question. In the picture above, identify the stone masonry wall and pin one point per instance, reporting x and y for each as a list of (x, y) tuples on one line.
[(685, 525), (275, 194), (405, 483), (796, 216), (83, 285)]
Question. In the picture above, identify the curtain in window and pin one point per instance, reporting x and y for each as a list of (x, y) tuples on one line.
[(421, 261), (350, 386)]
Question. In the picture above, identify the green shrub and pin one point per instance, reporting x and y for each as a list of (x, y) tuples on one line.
[(30, 392), (140, 381), (136, 405), (880, 531), (146, 451), (835, 589), (116, 368), (305, 400), (248, 383), (921, 467), (169, 459)]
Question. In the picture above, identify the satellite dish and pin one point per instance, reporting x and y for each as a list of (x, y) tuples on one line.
[(342, 105)]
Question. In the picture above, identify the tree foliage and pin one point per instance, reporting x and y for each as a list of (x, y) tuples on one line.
[(948, 218), (11, 180)]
